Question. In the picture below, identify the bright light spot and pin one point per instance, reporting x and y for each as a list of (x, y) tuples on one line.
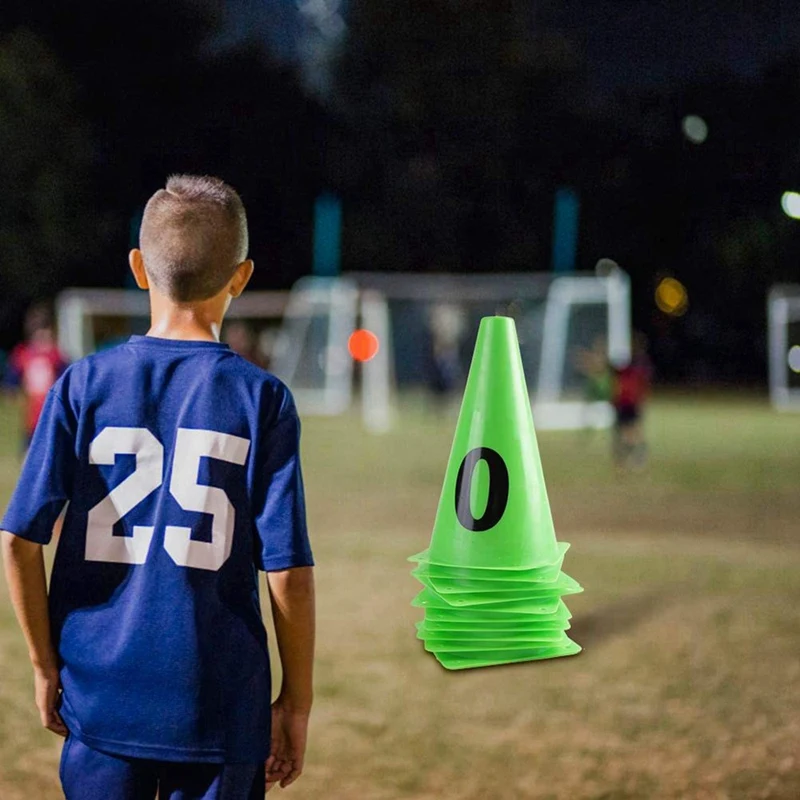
[(694, 129), (790, 203), (363, 345), (671, 297), (794, 358)]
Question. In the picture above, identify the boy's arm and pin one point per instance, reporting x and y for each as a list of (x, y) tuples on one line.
[(292, 596), (27, 586)]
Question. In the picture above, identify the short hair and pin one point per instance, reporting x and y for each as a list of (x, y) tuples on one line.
[(193, 236)]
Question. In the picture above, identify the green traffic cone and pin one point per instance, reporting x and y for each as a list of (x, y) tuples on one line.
[(492, 574), (493, 511)]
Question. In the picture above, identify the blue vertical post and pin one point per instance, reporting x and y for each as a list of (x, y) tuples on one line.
[(566, 212), (327, 235)]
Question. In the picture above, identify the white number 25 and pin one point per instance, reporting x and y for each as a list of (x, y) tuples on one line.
[(190, 446)]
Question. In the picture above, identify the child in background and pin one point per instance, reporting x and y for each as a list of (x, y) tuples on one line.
[(593, 364), (178, 462), (631, 387), (35, 365), (239, 337), (446, 322)]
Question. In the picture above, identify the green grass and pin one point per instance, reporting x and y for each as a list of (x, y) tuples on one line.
[(689, 685)]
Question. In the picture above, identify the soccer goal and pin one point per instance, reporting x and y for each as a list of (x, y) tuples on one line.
[(425, 326), (557, 317), (783, 314)]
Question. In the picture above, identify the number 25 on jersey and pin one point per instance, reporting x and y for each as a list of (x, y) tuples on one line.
[(190, 446)]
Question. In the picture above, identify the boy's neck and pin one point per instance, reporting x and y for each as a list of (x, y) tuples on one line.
[(199, 321)]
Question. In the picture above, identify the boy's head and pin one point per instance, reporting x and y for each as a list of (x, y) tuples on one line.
[(193, 237)]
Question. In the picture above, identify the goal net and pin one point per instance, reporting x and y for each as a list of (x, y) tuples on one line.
[(783, 314), (557, 317)]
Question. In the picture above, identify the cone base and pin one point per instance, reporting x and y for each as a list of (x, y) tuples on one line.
[(484, 591), (453, 661), (470, 643), (423, 558), (457, 627), (429, 599), (492, 614), (493, 577), (521, 600)]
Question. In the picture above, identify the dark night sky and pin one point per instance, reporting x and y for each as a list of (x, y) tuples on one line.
[(641, 43), (628, 44), (276, 23)]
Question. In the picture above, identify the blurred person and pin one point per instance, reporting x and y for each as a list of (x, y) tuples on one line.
[(239, 337), (34, 365), (446, 322), (268, 342), (592, 362), (152, 660), (630, 389)]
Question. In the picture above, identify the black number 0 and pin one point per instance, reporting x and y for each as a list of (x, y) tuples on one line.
[(498, 489)]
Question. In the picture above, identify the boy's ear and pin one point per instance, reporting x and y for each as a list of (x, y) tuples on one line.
[(241, 277), (136, 261)]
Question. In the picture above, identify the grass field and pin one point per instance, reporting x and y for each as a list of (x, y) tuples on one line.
[(689, 685)]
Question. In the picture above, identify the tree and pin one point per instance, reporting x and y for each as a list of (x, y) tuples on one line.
[(161, 96)]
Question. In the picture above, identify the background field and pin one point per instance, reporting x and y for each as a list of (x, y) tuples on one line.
[(689, 686)]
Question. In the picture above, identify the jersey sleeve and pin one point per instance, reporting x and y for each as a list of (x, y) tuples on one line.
[(45, 485), (280, 512)]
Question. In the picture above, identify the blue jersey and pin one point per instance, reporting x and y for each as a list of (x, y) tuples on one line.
[(179, 464)]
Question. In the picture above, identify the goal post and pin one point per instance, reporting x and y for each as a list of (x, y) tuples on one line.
[(311, 349), (311, 352), (783, 321), (568, 296)]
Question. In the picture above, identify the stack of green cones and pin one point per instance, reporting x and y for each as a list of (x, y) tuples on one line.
[(492, 580)]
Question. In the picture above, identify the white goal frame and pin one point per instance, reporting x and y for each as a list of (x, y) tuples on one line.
[(783, 309), (74, 308)]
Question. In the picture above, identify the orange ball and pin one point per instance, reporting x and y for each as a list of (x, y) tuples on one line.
[(363, 345)]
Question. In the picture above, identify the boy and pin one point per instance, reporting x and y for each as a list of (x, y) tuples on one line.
[(179, 461), (34, 365)]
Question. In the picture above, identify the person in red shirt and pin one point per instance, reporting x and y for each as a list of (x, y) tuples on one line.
[(35, 365), (631, 387)]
